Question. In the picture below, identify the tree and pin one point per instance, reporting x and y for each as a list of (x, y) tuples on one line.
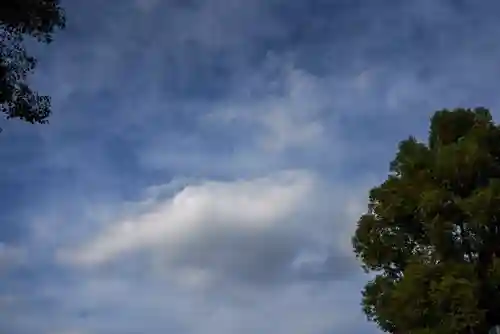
[(431, 234), (20, 19)]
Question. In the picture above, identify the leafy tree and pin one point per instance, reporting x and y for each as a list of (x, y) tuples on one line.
[(20, 19), (431, 234)]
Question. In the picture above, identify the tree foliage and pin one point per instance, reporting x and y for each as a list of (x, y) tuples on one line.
[(431, 234), (19, 19)]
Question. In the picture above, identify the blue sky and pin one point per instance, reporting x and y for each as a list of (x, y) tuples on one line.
[(207, 160)]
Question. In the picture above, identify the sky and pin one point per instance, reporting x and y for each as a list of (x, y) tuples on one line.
[(207, 160)]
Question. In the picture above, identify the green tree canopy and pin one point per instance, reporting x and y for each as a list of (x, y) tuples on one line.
[(431, 234), (20, 19)]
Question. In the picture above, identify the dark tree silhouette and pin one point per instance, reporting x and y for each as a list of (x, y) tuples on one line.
[(431, 234), (19, 19)]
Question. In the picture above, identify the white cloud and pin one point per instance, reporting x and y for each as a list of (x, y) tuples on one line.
[(287, 109), (229, 238), (244, 206)]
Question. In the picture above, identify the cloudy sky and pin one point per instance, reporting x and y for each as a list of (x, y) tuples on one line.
[(207, 159)]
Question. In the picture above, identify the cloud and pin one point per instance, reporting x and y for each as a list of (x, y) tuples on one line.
[(206, 161), (213, 233), (146, 5), (287, 110), (70, 331), (260, 254), (11, 256), (210, 208)]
